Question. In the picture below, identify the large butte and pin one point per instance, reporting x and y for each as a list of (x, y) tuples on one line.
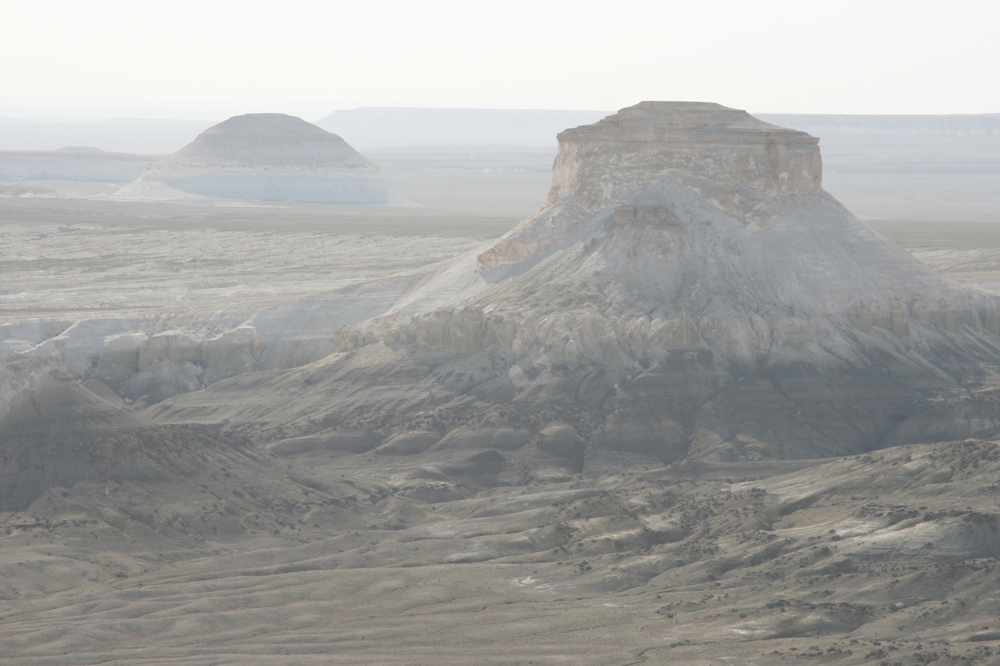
[(687, 290)]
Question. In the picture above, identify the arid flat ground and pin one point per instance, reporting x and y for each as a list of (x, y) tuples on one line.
[(236, 554), (141, 265), (68, 256)]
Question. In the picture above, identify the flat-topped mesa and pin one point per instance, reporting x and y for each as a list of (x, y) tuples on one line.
[(265, 140), (268, 157), (697, 143)]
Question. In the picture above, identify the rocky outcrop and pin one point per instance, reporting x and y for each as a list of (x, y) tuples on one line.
[(156, 365), (696, 143), (266, 157)]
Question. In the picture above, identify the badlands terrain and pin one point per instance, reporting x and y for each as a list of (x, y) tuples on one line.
[(389, 480)]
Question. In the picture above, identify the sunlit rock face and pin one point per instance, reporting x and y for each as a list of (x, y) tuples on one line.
[(695, 142), (264, 157)]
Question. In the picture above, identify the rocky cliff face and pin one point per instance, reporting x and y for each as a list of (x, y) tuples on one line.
[(695, 143), (267, 157)]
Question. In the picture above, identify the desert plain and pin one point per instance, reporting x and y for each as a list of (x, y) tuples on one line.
[(230, 540)]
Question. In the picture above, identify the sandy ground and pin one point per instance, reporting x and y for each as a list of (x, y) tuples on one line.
[(67, 254), (82, 270), (330, 559), (941, 198)]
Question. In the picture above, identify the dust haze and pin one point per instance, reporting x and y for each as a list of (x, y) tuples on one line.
[(684, 385)]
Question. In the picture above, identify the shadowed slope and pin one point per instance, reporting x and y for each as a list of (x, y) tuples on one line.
[(54, 432)]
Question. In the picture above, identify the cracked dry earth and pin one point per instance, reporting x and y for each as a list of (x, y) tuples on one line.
[(326, 557)]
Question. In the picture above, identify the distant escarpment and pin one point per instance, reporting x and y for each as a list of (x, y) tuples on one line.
[(73, 163), (263, 157)]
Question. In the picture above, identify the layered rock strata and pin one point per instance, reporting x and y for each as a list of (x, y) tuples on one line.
[(264, 157), (697, 144)]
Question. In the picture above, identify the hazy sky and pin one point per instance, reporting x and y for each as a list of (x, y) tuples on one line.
[(212, 59)]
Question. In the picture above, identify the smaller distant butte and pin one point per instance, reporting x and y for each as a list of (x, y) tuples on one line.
[(263, 157)]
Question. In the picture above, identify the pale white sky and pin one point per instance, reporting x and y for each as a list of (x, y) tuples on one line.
[(213, 59)]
